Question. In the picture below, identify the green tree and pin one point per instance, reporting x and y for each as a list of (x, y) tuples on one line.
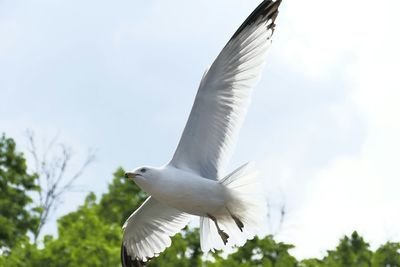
[(258, 252), (17, 217), (354, 251), (351, 251), (84, 240), (311, 263), (90, 236), (387, 255), (23, 254), (50, 165)]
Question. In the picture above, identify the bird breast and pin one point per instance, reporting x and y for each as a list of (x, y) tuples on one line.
[(189, 192)]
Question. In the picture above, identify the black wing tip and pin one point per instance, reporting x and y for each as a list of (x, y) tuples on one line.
[(126, 260), (268, 10)]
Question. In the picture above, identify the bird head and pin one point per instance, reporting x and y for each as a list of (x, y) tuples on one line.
[(142, 176), (140, 172)]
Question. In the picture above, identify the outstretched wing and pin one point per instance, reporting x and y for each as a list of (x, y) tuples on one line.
[(224, 94), (148, 230)]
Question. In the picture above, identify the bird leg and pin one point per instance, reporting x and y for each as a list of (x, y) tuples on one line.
[(238, 223), (224, 236)]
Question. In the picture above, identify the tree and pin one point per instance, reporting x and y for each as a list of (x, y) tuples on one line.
[(84, 240), (258, 252), (387, 255), (23, 254), (17, 216), (353, 251), (311, 263), (53, 179), (90, 236)]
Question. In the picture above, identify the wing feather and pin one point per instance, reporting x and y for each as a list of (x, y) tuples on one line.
[(224, 95), (148, 230)]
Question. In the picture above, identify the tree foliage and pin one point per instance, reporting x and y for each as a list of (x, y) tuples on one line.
[(258, 252), (351, 251), (17, 216), (387, 255)]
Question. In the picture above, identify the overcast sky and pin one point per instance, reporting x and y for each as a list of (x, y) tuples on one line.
[(121, 77)]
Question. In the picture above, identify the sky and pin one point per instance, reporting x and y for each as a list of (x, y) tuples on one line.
[(120, 77)]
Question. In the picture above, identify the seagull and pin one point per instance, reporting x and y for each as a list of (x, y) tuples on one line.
[(232, 207)]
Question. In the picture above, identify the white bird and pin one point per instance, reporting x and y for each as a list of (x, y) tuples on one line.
[(231, 208)]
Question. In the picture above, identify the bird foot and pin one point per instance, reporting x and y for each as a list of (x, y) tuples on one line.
[(224, 236)]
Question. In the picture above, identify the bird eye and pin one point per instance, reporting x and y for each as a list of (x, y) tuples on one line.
[(143, 170)]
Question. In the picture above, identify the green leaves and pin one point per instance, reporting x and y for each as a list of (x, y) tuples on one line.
[(16, 215), (353, 251), (84, 239), (387, 255), (259, 252)]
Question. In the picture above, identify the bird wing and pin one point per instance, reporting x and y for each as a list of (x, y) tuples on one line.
[(147, 231), (224, 94)]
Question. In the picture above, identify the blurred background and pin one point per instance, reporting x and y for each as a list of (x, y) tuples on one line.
[(104, 85)]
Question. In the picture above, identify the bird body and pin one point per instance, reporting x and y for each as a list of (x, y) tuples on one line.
[(184, 190)]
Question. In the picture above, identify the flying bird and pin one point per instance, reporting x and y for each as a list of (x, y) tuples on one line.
[(232, 208)]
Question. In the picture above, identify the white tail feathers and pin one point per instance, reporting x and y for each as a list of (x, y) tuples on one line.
[(246, 202)]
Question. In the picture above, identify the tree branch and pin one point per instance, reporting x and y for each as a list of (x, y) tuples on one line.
[(54, 179)]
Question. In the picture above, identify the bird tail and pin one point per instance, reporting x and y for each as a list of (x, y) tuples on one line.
[(245, 211)]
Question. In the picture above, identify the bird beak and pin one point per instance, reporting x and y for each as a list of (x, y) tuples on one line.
[(130, 175)]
